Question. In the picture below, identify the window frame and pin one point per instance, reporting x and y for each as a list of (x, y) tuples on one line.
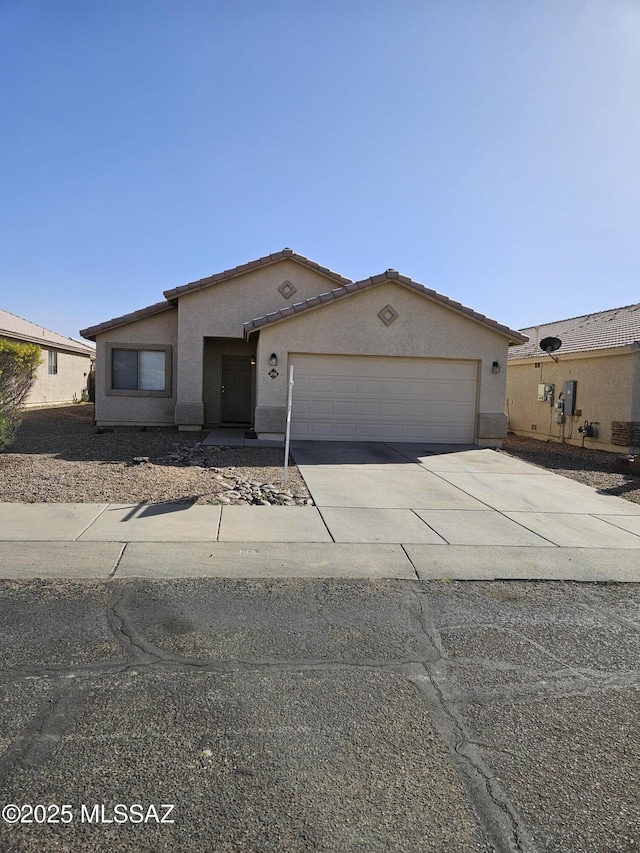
[(138, 347), (52, 362)]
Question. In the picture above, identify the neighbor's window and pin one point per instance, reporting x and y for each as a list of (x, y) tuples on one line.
[(140, 370), (53, 362)]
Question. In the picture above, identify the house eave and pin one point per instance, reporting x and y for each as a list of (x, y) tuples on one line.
[(514, 337), (260, 263), (78, 349), (92, 332)]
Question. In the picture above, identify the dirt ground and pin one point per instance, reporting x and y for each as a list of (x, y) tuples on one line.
[(60, 457)]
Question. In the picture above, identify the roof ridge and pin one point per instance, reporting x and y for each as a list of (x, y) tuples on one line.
[(31, 322), (57, 336), (581, 316), (265, 260)]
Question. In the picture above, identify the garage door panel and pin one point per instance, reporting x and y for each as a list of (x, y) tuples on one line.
[(362, 398), (466, 370), (392, 410), (394, 388), (321, 409), (346, 386), (369, 409), (346, 409), (321, 385), (369, 432), (370, 387), (416, 411)]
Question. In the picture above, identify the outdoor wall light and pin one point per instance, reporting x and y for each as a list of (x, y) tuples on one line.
[(253, 361), (495, 367), (273, 359)]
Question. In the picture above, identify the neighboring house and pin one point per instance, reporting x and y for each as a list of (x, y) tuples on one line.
[(65, 367), (600, 353), (380, 359)]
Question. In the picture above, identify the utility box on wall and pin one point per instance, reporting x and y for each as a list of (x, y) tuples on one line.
[(570, 396)]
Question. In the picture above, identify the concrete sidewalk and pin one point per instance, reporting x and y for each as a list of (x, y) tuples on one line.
[(181, 540), (385, 511)]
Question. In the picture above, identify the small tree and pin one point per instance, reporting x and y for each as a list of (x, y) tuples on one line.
[(18, 368)]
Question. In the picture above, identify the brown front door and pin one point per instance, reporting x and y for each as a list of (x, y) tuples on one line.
[(237, 373)]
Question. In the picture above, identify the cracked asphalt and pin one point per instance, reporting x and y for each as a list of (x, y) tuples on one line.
[(321, 715)]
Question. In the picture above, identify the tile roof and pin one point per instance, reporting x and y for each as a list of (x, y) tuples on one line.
[(267, 260), (389, 275), (616, 327), (91, 332), (12, 326)]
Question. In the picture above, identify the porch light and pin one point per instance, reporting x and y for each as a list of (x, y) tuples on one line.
[(253, 361), (495, 367), (273, 359)]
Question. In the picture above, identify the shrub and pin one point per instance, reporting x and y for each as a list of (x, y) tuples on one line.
[(18, 367)]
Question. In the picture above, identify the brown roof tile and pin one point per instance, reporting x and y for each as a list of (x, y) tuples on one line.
[(267, 260), (389, 275), (616, 327), (91, 332)]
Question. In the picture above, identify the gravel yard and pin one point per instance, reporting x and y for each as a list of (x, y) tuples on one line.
[(595, 468), (60, 457)]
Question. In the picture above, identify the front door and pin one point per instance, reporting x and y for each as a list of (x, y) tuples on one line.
[(237, 373)]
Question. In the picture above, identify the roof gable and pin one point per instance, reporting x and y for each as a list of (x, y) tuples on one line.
[(358, 286), (616, 327), (91, 331), (260, 263)]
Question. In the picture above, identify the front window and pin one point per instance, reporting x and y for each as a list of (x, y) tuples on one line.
[(139, 371)]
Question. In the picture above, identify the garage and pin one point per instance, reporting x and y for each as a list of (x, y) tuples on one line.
[(372, 398)]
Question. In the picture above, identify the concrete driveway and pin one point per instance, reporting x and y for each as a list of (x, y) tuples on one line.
[(382, 510), (459, 495)]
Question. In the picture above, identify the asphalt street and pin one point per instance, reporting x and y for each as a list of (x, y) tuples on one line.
[(319, 715)]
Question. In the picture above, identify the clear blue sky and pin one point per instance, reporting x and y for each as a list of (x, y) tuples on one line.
[(489, 149)]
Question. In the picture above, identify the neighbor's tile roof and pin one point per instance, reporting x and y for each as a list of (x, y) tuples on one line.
[(389, 275), (91, 332), (617, 327), (17, 328), (267, 260)]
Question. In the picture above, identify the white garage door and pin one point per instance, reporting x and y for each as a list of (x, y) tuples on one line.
[(366, 398)]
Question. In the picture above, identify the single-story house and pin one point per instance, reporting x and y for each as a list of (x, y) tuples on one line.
[(380, 359), (66, 364), (586, 391)]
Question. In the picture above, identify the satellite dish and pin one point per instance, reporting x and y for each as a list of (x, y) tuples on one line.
[(550, 345)]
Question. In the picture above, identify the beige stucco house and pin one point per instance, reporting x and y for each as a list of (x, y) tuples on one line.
[(597, 375), (380, 359), (65, 366)]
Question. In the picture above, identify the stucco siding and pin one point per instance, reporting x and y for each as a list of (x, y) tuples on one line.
[(222, 309), (160, 329), (65, 386), (423, 329), (635, 392), (604, 393)]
